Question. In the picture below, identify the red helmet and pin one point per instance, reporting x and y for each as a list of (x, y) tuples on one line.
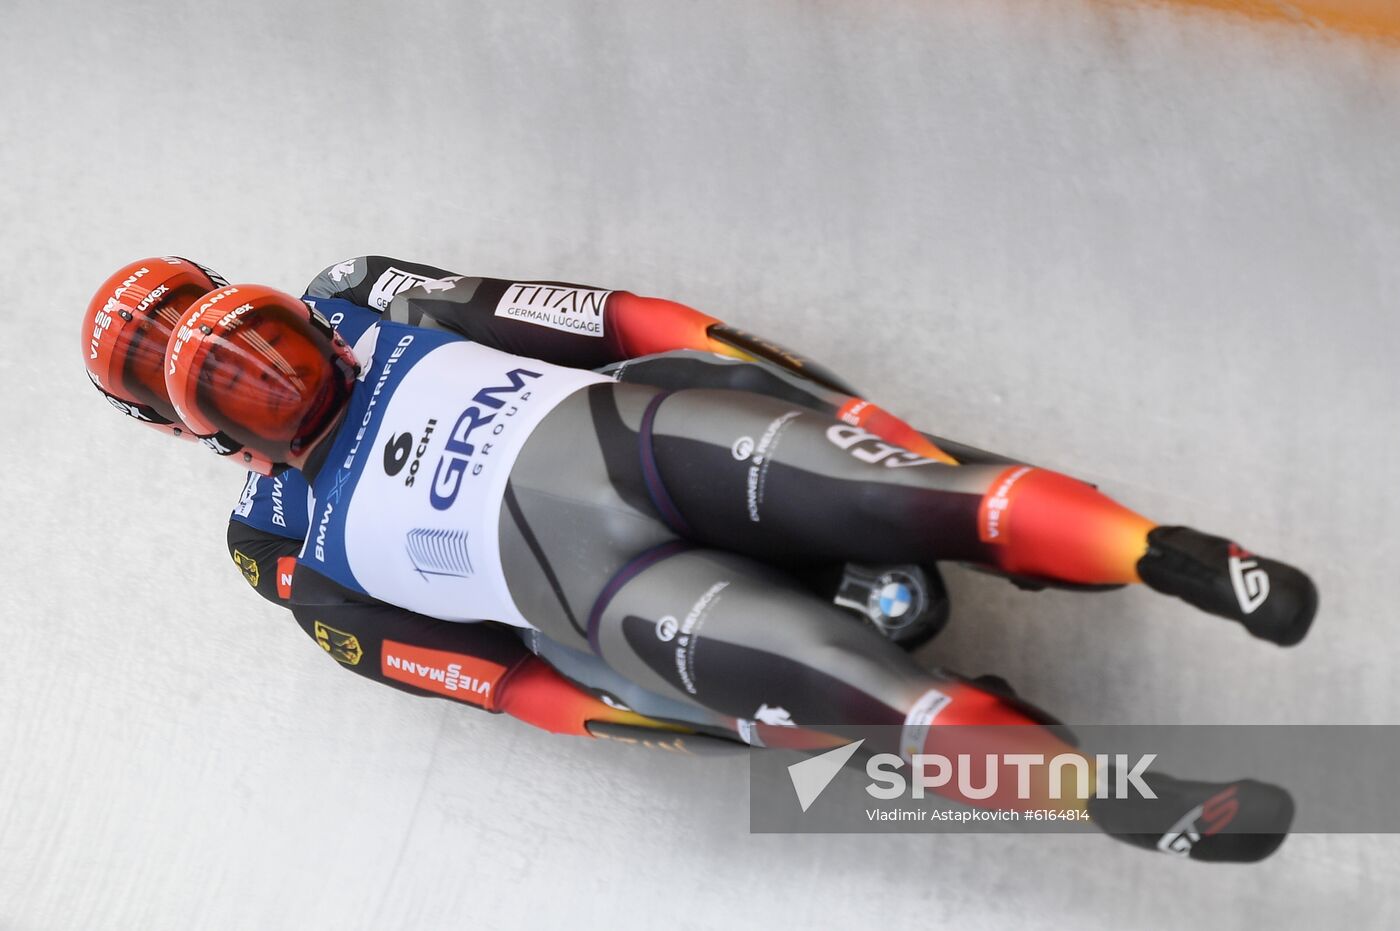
[(126, 328), (258, 374)]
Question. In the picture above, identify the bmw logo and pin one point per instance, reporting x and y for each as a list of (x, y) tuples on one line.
[(896, 600)]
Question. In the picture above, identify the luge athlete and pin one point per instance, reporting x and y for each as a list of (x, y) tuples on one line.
[(131, 318), (611, 517)]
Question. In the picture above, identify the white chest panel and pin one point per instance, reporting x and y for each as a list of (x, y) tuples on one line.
[(429, 459)]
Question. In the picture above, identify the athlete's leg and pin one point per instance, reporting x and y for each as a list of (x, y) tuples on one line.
[(740, 638), (577, 507), (714, 629), (577, 513), (688, 368), (907, 603), (770, 479)]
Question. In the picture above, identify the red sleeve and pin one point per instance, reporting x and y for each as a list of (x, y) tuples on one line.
[(587, 327), (565, 324)]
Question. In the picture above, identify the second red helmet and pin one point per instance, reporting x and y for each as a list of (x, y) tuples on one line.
[(127, 327)]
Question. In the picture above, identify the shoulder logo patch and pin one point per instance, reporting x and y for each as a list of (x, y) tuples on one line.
[(392, 282), (248, 566), (343, 647)]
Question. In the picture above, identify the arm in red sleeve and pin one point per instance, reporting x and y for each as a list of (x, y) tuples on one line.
[(585, 327)]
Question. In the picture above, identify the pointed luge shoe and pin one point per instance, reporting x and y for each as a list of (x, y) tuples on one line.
[(1273, 600)]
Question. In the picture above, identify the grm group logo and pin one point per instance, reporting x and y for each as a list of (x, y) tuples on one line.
[(458, 451)]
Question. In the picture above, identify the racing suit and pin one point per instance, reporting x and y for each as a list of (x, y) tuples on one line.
[(488, 665), (646, 523)]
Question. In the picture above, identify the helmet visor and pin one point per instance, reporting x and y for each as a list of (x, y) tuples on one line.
[(271, 380)]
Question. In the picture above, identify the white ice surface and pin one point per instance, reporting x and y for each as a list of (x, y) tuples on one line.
[(1158, 250)]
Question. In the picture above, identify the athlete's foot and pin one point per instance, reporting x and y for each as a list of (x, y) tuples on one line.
[(1235, 822), (1273, 600)]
